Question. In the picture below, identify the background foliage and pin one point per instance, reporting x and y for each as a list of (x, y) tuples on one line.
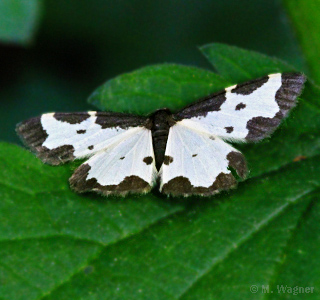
[(55, 244)]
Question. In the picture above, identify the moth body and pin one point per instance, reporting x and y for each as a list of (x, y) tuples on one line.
[(161, 121)]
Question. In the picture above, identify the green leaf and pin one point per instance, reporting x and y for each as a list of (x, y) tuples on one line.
[(48, 233), (24, 274), (19, 19), (213, 250), (296, 138), (305, 18), (175, 86), (146, 247), (145, 90), (239, 65), (303, 254)]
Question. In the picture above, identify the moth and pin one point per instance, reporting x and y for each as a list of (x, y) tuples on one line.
[(186, 152)]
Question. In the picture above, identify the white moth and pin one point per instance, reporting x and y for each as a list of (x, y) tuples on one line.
[(187, 152)]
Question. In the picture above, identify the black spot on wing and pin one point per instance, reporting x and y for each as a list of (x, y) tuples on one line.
[(286, 97), (238, 163), (72, 118), (81, 131), (167, 160), (122, 158), (201, 108), (212, 138), (249, 87), (181, 186), (229, 129), (91, 147), (130, 184), (148, 160), (122, 120), (194, 155), (240, 106)]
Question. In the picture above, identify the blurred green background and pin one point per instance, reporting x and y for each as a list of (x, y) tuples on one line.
[(56, 244), (54, 53)]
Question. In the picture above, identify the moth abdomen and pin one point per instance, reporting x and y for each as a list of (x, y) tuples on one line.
[(161, 123)]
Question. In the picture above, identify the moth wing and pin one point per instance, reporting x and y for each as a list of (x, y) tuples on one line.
[(246, 112), (198, 164), (60, 137), (126, 166)]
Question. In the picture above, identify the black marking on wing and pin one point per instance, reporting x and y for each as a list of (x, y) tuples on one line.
[(182, 186), (249, 87), (148, 160), (122, 120), (33, 135), (240, 106), (130, 184), (168, 160), (194, 155), (286, 96), (238, 163), (200, 108), (229, 129), (214, 101), (72, 118), (56, 156), (122, 157)]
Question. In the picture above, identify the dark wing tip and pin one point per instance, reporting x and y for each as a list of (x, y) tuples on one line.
[(33, 136), (286, 97), (181, 186), (292, 84), (297, 76), (130, 184), (31, 132)]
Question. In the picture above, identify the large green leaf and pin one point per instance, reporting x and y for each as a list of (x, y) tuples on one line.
[(298, 137), (18, 20), (48, 233), (306, 21), (239, 65), (302, 256), (213, 250), (56, 244), (154, 87), (175, 86)]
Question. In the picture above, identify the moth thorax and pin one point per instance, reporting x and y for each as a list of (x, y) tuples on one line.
[(161, 122)]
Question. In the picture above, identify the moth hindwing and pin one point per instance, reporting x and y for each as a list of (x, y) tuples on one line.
[(186, 152)]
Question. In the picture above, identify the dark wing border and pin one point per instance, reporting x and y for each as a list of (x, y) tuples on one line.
[(259, 127), (286, 97), (130, 184), (33, 134)]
